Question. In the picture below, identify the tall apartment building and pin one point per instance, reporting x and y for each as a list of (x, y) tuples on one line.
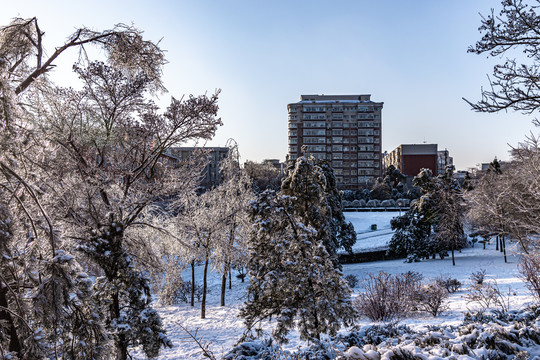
[(343, 129)]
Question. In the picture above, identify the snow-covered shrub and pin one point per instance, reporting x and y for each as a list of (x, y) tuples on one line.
[(373, 203), (387, 297), (352, 280), (185, 292), (431, 297), (357, 203), (170, 287), (513, 335), (403, 202), (529, 269), (451, 285), (478, 276), (413, 276), (264, 349), (488, 294), (388, 203)]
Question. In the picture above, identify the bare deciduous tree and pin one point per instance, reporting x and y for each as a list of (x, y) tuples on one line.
[(79, 170), (513, 85)]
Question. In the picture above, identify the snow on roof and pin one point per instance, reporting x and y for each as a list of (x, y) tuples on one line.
[(335, 102)]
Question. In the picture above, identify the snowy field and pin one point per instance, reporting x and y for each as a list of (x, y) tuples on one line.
[(367, 239), (222, 327)]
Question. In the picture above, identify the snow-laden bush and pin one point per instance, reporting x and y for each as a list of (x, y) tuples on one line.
[(512, 335), (373, 203), (488, 294), (352, 280), (478, 276), (387, 297), (263, 349), (529, 269), (388, 203), (403, 202), (451, 285), (432, 297)]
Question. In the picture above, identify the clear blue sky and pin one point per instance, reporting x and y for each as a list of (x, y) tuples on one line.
[(412, 55)]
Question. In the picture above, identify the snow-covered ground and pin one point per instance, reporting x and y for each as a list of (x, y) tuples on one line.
[(367, 239), (222, 328)]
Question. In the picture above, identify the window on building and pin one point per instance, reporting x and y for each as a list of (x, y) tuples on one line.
[(319, 132), (319, 124), (314, 108)]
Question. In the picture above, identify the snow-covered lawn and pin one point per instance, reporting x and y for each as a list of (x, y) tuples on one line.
[(367, 239), (222, 327)]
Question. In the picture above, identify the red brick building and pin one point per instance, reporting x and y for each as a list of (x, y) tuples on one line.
[(411, 158)]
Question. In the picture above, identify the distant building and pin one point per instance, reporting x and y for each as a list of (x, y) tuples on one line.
[(275, 163), (443, 160), (211, 176), (411, 158), (343, 129)]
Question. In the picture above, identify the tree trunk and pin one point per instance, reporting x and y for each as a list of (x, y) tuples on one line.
[(453, 257), (5, 316), (223, 287), (230, 276), (497, 243), (503, 244), (121, 342), (193, 283), (203, 301)]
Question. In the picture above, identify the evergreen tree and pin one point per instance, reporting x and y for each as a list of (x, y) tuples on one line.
[(124, 293), (434, 223), (319, 202), (292, 276), (449, 227), (411, 237)]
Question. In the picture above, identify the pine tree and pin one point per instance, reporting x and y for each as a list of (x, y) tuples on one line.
[(318, 203), (292, 276), (449, 228), (434, 223), (124, 293)]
